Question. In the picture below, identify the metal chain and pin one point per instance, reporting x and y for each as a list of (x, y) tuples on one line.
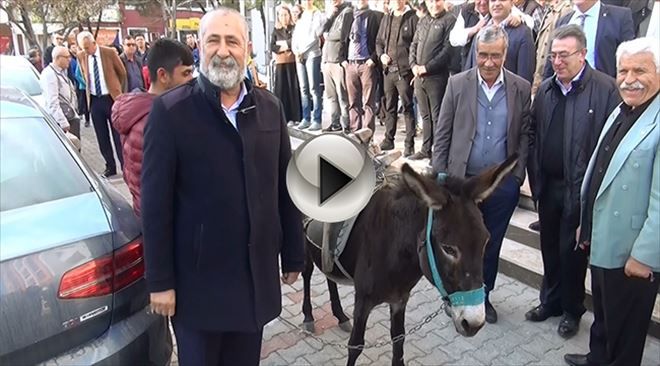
[(376, 344)]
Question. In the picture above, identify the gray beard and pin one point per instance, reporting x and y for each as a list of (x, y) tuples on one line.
[(222, 76)]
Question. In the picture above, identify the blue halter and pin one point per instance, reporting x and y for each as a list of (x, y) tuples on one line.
[(458, 298)]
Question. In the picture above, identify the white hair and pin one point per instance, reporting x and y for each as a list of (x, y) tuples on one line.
[(640, 45), (82, 36), (57, 50), (221, 11)]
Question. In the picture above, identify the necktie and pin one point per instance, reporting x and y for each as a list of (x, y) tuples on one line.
[(582, 18), (97, 77)]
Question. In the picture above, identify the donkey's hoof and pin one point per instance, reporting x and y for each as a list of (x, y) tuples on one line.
[(346, 326), (309, 326)]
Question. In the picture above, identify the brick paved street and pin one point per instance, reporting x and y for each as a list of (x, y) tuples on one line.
[(512, 341)]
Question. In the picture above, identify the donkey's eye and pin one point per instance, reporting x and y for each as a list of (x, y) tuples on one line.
[(450, 250)]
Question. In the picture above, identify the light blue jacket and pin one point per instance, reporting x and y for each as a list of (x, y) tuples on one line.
[(626, 216)]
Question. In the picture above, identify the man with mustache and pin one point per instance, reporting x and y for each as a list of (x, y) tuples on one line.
[(215, 208), (568, 113), (621, 212), (484, 117)]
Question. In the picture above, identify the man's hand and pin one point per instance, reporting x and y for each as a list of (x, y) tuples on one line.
[(421, 70), (163, 303), (634, 268), (514, 21), (299, 58), (344, 64), (477, 27), (290, 277), (385, 59), (66, 129), (370, 63), (584, 245)]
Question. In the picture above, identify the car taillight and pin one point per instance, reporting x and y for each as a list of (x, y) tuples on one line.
[(106, 274)]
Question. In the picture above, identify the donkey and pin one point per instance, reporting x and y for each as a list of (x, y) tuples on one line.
[(386, 253)]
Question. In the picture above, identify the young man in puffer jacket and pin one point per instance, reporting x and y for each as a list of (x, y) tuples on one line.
[(170, 64)]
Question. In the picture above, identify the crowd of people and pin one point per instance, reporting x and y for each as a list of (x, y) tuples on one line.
[(571, 87)]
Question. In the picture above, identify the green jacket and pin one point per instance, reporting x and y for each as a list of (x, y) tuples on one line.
[(626, 216)]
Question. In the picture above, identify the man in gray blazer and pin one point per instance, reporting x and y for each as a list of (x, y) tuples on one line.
[(484, 117)]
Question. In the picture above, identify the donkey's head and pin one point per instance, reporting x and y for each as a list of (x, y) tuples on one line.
[(456, 233)]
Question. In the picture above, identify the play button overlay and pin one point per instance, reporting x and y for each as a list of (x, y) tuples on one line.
[(330, 178)]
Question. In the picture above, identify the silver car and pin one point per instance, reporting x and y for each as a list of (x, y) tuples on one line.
[(18, 72), (72, 287)]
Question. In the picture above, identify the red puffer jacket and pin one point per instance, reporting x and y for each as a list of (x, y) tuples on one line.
[(129, 116)]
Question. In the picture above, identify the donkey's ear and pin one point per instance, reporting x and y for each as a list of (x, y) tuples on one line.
[(424, 188), (482, 185)]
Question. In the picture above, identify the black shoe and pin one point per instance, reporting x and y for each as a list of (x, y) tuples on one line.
[(568, 326), (541, 313), (407, 152), (347, 130), (536, 226), (387, 145), (575, 359), (109, 172), (419, 156), (332, 128), (491, 314), (86, 123)]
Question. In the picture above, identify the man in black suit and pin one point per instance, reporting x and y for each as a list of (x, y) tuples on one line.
[(606, 27), (215, 208)]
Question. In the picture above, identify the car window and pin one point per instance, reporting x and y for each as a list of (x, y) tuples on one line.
[(36, 167), (22, 78)]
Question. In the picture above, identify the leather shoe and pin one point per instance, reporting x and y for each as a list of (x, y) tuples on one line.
[(387, 145), (575, 359), (491, 314), (333, 128), (407, 152), (568, 326), (536, 226), (541, 313), (109, 172), (419, 156)]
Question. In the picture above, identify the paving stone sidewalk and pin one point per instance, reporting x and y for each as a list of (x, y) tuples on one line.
[(512, 341)]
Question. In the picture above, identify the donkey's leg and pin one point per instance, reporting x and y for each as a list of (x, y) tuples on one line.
[(360, 315), (308, 322), (397, 319), (337, 310)]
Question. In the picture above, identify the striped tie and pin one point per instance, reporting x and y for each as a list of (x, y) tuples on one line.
[(582, 18), (97, 77)]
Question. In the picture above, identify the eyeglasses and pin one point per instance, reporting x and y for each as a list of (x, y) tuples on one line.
[(562, 56), (495, 57)]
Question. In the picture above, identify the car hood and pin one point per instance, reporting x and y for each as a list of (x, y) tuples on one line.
[(38, 227)]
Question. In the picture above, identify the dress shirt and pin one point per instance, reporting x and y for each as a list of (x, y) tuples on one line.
[(232, 111), (590, 29), (458, 37), (490, 91), (90, 70)]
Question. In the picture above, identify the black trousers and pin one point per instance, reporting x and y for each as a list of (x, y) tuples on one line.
[(101, 110), (395, 86), (82, 103), (429, 92), (203, 348), (496, 211), (564, 268), (622, 314)]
